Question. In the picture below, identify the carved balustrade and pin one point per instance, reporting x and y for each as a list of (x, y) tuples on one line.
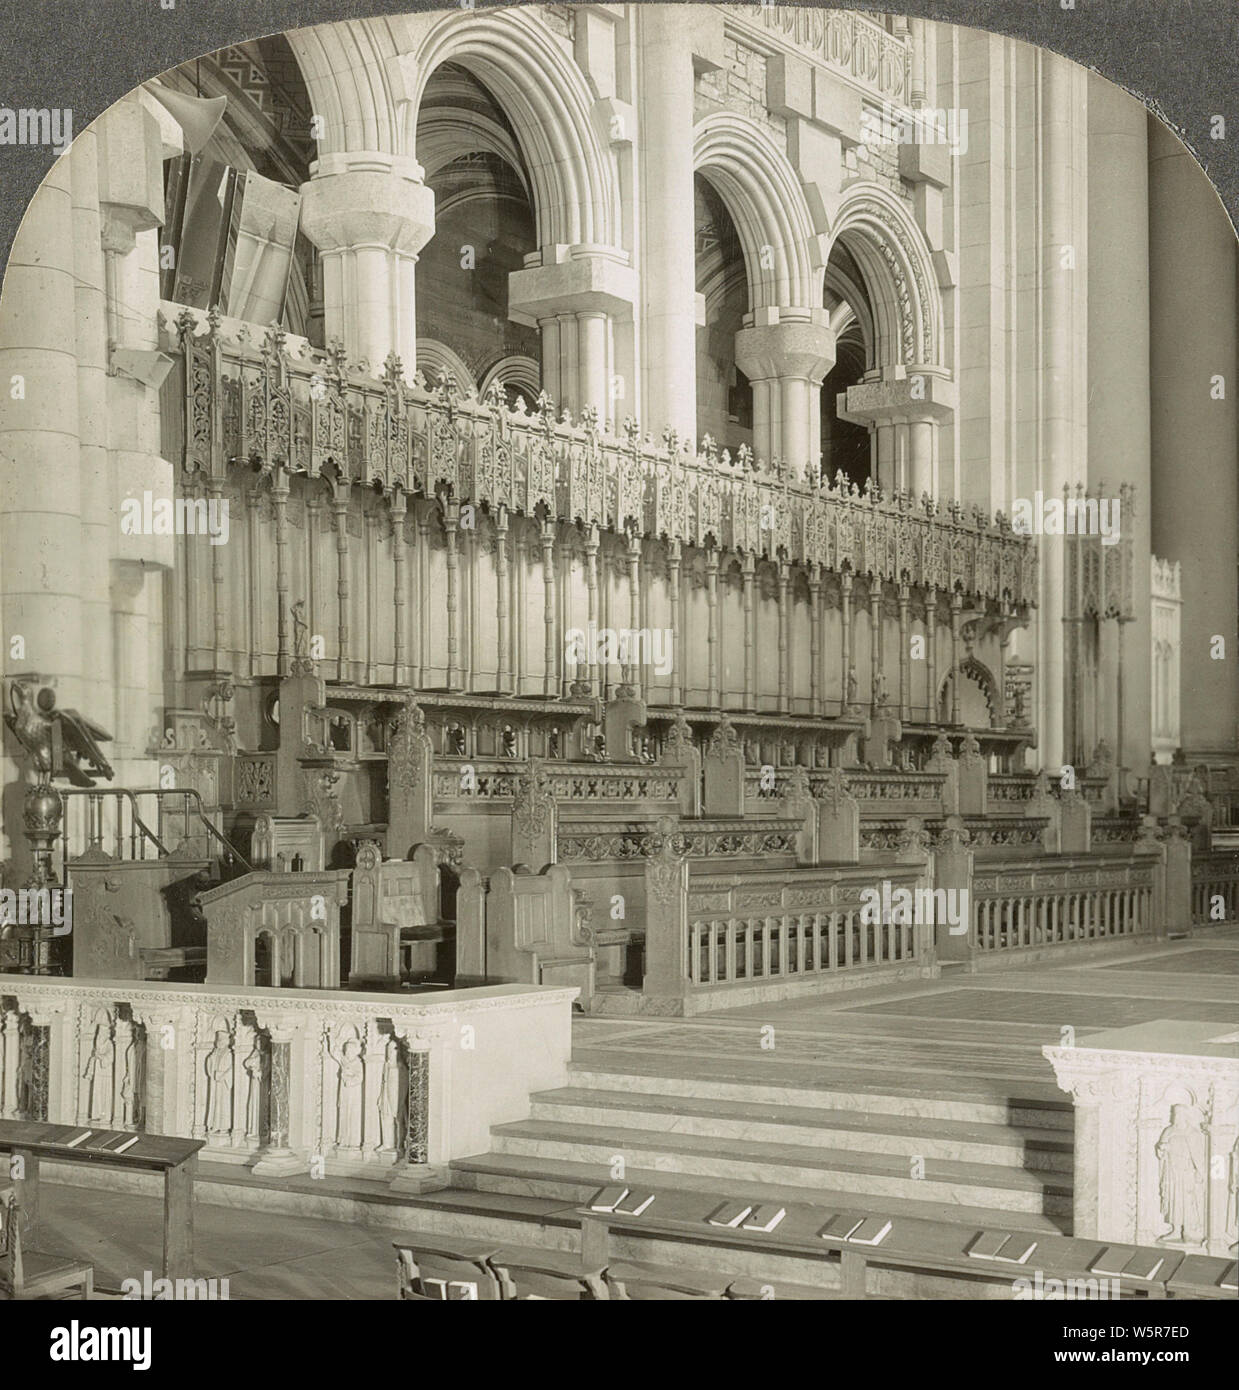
[(1215, 887), (375, 1086), (1051, 902), (261, 404), (761, 928)]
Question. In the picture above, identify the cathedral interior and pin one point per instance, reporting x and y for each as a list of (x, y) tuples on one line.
[(535, 547)]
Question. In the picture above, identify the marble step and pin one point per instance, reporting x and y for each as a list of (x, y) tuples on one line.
[(1023, 1105), (775, 1122), (574, 1181), (738, 1161)]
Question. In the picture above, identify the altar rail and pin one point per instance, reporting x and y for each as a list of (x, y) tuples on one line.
[(1215, 887), (266, 405), (1016, 906), (709, 932), (879, 792), (370, 1085)]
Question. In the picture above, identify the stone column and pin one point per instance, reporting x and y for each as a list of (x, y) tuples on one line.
[(747, 571), (501, 599), (340, 493), (591, 592), (910, 405), (1119, 384), (635, 675), (575, 299), (398, 505), (784, 622), (845, 612), (40, 521), (1195, 432), (278, 1156), (905, 687), (369, 225), (712, 697), (547, 538), (673, 603), (786, 360), (451, 525), (668, 301), (815, 639), (1063, 375)]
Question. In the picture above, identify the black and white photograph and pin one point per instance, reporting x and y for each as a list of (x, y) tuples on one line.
[(619, 631)]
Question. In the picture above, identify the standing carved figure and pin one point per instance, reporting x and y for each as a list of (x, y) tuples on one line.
[(98, 1075), (219, 1085), (1182, 1165), (389, 1097), (256, 1069), (350, 1074)]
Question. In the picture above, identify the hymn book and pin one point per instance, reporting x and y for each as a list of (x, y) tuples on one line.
[(1003, 1246), (730, 1214)]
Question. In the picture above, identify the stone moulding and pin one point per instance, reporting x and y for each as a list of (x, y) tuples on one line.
[(278, 407)]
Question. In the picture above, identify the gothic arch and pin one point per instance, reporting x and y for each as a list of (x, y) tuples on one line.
[(890, 249), (547, 100), (764, 197), (435, 360), (970, 669)]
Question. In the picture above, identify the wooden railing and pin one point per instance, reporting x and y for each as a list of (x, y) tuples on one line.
[(1215, 887), (374, 1086), (618, 785), (1056, 900)]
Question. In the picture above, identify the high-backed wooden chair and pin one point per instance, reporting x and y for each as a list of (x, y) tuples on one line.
[(446, 1269), (648, 1283), (546, 1274), (30, 1273)]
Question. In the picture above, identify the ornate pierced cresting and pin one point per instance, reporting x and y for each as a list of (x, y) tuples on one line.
[(263, 405), (854, 45)]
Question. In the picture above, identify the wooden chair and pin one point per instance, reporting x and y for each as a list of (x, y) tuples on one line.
[(446, 1269), (528, 1273), (648, 1283), (30, 1273)]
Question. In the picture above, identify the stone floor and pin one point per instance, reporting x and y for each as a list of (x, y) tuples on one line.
[(961, 1032)]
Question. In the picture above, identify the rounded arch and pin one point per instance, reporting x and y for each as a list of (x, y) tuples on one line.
[(435, 360), (354, 86), (546, 99), (890, 250), (767, 203)]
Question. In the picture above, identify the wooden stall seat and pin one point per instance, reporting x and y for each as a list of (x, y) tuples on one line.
[(526, 1272), (648, 1283), (31, 1273), (446, 1269)]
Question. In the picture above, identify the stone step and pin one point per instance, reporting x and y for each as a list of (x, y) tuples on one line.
[(797, 1165), (575, 1181), (1023, 1105), (774, 1122)]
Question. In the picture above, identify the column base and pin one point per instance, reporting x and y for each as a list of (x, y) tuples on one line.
[(417, 1178), (280, 1163)]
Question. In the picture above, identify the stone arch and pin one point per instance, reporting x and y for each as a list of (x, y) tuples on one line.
[(547, 100), (982, 681), (895, 260), (354, 86), (436, 360), (766, 201)]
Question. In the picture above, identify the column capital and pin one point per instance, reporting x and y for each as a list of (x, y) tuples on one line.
[(367, 207), (579, 279), (921, 396), (786, 348)]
